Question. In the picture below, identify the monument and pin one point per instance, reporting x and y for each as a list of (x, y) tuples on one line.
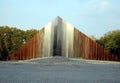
[(59, 38)]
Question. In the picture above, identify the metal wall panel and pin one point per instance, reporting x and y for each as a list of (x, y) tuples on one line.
[(40, 44), (47, 40), (69, 39), (32, 49), (84, 47)]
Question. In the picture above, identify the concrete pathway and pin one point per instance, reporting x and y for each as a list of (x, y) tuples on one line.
[(59, 70)]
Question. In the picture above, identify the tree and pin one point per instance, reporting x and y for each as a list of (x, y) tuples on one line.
[(29, 34), (11, 39), (4, 44), (93, 37), (111, 42)]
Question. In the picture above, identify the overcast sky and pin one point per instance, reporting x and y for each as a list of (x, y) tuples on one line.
[(92, 17)]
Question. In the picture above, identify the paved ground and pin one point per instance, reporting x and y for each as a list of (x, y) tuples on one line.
[(59, 70)]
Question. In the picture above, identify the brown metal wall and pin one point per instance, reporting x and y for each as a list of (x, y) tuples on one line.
[(32, 49), (85, 47), (40, 44)]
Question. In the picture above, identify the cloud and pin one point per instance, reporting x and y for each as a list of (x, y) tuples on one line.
[(104, 5), (97, 6)]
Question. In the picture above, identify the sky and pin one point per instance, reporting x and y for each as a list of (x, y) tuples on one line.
[(92, 17)]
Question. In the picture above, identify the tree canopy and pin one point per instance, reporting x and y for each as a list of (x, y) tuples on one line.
[(12, 38), (111, 42)]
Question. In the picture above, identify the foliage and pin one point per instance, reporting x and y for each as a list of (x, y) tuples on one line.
[(93, 37), (111, 42), (11, 39), (29, 34)]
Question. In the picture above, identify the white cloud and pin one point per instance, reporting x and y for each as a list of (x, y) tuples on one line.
[(97, 6), (104, 5)]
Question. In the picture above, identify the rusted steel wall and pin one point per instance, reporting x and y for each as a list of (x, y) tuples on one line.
[(32, 49), (85, 47), (40, 44)]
